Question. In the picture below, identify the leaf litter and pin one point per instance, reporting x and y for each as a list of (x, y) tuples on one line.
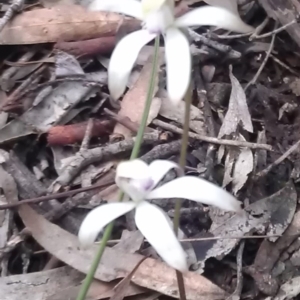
[(50, 92)]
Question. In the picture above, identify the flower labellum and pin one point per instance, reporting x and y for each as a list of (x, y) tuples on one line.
[(158, 18), (139, 181)]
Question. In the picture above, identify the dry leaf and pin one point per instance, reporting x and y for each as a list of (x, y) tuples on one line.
[(131, 241), (176, 113), (133, 103), (256, 216), (295, 86), (242, 168), (237, 110), (48, 112), (62, 23), (120, 290), (289, 289), (66, 65), (151, 274), (39, 285)]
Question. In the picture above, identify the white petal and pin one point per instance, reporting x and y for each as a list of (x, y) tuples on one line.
[(130, 8), (178, 64), (134, 178), (98, 218), (159, 168), (153, 224), (213, 16), (123, 58), (196, 189), (159, 20), (134, 169)]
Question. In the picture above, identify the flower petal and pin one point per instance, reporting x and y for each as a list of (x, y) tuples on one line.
[(98, 218), (153, 224), (213, 16), (196, 189), (123, 58), (130, 8), (178, 64), (159, 168), (133, 177), (134, 169)]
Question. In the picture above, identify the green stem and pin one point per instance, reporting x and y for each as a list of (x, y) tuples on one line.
[(182, 160), (134, 154), (140, 133), (184, 144)]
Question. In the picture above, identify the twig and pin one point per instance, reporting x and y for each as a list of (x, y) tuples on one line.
[(283, 65), (277, 161), (239, 284), (275, 31), (213, 140), (55, 196), (99, 154), (13, 9), (215, 45), (87, 136), (268, 53), (258, 29), (214, 238)]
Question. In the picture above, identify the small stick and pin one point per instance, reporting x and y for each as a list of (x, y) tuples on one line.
[(212, 140), (87, 136), (13, 9), (254, 79), (275, 31), (277, 161), (239, 284)]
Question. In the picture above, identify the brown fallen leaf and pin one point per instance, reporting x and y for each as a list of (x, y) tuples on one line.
[(97, 291), (120, 289), (133, 103), (102, 45), (151, 274), (62, 23)]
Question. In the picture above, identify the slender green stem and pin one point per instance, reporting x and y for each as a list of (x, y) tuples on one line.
[(182, 160), (90, 275), (134, 154), (140, 133), (184, 144)]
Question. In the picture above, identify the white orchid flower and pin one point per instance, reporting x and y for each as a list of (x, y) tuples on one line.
[(139, 181), (158, 18)]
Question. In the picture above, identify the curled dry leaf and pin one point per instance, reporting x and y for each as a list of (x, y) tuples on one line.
[(151, 274), (237, 110), (62, 23)]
